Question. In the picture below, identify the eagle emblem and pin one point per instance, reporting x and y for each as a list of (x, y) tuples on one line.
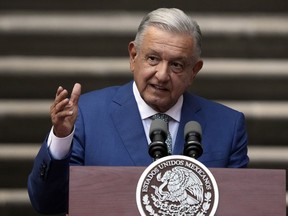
[(182, 186), (177, 186)]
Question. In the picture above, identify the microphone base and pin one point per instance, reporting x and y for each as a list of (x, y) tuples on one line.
[(193, 150), (158, 150)]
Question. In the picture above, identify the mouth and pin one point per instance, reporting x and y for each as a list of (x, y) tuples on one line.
[(158, 87)]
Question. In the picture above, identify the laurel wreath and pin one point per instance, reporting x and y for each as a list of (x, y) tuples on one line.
[(202, 212), (148, 207), (206, 204)]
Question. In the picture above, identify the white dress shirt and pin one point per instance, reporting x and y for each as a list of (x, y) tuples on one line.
[(146, 112), (60, 147)]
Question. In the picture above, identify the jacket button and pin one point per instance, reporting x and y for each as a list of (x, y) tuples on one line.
[(43, 169)]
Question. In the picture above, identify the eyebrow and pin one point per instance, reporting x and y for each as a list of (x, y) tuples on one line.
[(176, 58)]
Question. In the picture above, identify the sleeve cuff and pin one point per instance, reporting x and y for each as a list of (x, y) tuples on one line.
[(59, 147)]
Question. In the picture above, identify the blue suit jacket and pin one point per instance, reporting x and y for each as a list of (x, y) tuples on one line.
[(109, 132)]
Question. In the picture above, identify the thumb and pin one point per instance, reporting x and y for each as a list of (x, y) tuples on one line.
[(76, 92)]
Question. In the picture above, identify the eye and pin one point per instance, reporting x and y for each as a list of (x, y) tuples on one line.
[(177, 67), (153, 60)]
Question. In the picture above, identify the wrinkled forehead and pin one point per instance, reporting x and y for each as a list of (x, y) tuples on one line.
[(158, 39), (159, 33)]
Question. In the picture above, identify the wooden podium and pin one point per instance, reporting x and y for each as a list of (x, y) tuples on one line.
[(111, 191)]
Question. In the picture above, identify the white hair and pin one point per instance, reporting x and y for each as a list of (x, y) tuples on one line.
[(171, 20)]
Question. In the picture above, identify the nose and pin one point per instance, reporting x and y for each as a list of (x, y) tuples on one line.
[(162, 71)]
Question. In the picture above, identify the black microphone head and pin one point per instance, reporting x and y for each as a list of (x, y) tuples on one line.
[(192, 126), (193, 136), (158, 135), (158, 126)]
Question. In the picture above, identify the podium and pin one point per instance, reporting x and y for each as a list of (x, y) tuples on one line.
[(111, 191)]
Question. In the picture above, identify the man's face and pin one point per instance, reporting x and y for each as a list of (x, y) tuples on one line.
[(163, 67)]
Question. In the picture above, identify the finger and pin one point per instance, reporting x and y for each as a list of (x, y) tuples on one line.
[(59, 113), (63, 114), (76, 92), (60, 95), (58, 107), (59, 90), (63, 104)]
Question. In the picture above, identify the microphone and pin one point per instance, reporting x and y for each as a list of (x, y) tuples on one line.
[(158, 134), (193, 136)]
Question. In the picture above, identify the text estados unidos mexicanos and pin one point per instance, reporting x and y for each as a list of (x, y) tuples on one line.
[(170, 163)]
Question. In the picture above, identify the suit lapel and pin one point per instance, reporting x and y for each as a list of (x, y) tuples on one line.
[(191, 111), (127, 120), (128, 123)]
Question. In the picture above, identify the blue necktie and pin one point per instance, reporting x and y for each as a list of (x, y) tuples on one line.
[(165, 118)]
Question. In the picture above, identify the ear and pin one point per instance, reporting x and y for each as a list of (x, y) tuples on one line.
[(132, 55), (196, 68)]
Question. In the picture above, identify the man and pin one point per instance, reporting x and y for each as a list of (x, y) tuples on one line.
[(110, 127)]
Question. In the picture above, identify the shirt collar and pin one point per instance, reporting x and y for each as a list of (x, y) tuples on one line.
[(146, 111)]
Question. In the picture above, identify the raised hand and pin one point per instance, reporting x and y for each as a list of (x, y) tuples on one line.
[(64, 111)]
